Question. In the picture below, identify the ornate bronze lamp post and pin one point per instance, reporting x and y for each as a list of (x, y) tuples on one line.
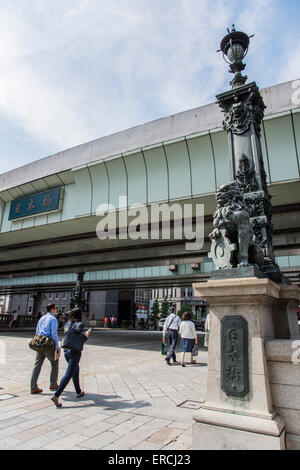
[(246, 307), (77, 299), (243, 242)]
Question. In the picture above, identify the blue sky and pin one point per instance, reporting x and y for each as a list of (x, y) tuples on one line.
[(75, 70)]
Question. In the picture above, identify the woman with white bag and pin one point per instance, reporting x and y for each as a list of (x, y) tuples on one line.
[(188, 337)]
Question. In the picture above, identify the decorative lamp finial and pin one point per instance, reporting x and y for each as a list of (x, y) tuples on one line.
[(235, 48)]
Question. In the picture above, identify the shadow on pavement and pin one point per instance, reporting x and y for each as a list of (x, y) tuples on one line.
[(101, 400)]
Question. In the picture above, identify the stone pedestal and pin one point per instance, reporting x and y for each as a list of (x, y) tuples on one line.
[(249, 422)]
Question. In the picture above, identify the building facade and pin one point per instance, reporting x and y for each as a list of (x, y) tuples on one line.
[(178, 296)]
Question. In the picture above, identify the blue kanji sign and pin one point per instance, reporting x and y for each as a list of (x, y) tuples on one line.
[(35, 204)]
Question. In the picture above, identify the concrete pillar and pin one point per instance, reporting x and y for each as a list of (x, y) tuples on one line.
[(235, 422)]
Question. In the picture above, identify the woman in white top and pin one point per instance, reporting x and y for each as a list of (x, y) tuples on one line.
[(188, 337)]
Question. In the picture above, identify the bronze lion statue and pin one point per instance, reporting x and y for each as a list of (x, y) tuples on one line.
[(233, 241)]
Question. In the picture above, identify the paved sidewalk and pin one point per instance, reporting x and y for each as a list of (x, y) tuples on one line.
[(134, 400)]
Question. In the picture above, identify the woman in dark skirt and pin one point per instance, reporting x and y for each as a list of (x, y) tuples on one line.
[(188, 337)]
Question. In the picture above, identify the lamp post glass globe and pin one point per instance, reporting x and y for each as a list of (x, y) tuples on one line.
[(236, 52)]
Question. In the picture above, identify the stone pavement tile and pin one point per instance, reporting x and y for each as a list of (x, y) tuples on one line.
[(13, 406), (133, 438), (120, 418), (156, 393), (11, 422), (10, 431), (57, 433), (62, 412), (74, 427), (130, 405), (65, 443), (142, 397), (181, 425), (60, 423), (106, 409), (93, 419), (38, 406), (32, 444), (147, 445), (42, 419), (8, 443), (128, 396), (78, 448), (113, 446), (131, 425), (165, 435), (11, 414), (180, 386), (100, 441), (104, 385), (163, 407), (156, 424), (83, 413), (111, 392), (191, 395), (98, 428), (46, 412), (183, 442), (33, 432), (91, 384)]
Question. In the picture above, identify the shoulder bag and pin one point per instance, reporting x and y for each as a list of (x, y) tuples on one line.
[(73, 340), (42, 344)]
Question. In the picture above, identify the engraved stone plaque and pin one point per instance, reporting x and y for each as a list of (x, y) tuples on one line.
[(234, 356)]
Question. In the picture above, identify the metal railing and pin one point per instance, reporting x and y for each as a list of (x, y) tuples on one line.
[(6, 320)]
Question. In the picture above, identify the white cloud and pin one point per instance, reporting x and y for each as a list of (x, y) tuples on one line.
[(291, 68), (74, 70)]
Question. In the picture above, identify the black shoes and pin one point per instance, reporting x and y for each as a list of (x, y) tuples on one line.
[(167, 361)]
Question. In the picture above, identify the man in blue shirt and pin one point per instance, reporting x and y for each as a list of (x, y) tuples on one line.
[(47, 326)]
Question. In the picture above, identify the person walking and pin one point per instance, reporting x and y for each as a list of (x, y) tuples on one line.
[(72, 357), (47, 326), (170, 330), (106, 321), (188, 336), (14, 320)]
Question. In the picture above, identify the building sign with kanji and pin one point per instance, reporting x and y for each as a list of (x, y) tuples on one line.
[(35, 204), (234, 356)]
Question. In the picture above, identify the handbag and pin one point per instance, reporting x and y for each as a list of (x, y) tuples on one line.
[(195, 350), (73, 340), (164, 348), (42, 344)]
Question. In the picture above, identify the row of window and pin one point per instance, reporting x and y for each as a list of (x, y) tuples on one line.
[(53, 295), (62, 309), (172, 293)]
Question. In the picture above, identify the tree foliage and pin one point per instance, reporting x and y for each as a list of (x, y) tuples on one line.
[(165, 309), (186, 308), (155, 310)]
